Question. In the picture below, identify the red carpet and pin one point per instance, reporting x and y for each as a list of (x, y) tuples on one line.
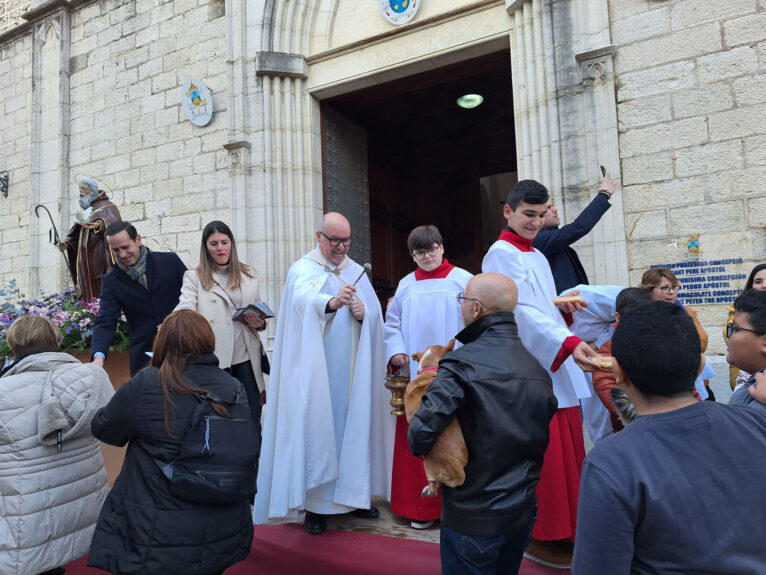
[(288, 550)]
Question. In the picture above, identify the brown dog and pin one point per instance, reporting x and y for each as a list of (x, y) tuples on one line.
[(446, 461)]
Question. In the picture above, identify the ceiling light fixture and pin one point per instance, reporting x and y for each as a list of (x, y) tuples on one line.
[(470, 101)]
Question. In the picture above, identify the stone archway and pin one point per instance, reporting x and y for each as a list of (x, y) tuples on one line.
[(564, 107)]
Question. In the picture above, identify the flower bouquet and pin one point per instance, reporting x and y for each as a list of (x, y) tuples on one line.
[(75, 318)]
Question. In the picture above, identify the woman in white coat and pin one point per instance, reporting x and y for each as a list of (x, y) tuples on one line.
[(52, 476), (220, 285)]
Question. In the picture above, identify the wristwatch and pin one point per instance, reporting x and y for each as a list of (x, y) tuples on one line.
[(607, 194)]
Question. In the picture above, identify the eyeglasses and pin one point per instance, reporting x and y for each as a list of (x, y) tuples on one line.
[(668, 289), (420, 254), (461, 298), (335, 242), (731, 329)]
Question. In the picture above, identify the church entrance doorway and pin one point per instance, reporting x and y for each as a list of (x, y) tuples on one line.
[(403, 153)]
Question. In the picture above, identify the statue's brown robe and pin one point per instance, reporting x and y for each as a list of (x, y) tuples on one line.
[(88, 253)]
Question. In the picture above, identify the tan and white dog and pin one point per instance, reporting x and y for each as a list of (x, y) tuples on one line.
[(445, 464)]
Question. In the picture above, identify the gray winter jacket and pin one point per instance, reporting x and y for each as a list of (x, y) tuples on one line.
[(52, 476)]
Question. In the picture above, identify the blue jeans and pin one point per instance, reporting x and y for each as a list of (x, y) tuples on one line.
[(465, 554)]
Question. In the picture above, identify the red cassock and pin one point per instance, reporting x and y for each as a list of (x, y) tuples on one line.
[(541, 323), (408, 480), (423, 312), (559, 485)]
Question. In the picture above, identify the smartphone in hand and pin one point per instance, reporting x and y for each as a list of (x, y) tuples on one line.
[(603, 171)]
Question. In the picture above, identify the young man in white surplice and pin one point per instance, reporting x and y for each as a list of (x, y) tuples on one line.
[(544, 333), (424, 311)]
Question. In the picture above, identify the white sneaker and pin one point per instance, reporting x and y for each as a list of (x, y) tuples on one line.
[(421, 524)]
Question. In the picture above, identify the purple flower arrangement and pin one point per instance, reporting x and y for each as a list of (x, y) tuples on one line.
[(75, 318)]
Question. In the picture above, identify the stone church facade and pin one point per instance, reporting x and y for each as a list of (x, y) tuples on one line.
[(669, 94)]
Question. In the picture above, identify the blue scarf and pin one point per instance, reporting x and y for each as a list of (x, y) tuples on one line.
[(137, 272)]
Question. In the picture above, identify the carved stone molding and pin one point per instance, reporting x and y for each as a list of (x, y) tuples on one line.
[(236, 145), (596, 53), (512, 5), (281, 64)]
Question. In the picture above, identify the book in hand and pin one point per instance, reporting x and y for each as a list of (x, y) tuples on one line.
[(261, 309)]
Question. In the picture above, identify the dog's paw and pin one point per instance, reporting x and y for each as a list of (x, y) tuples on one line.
[(427, 492)]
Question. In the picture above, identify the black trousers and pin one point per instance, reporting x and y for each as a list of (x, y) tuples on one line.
[(244, 373)]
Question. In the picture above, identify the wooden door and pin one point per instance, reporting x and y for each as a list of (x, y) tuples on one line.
[(345, 177)]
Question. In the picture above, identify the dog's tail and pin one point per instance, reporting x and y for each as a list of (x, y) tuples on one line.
[(625, 410)]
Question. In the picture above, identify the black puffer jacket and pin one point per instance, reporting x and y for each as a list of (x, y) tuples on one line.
[(504, 401), (142, 528)]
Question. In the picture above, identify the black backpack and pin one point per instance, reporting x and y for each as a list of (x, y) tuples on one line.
[(218, 459)]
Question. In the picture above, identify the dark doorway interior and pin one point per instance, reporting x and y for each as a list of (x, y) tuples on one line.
[(428, 161)]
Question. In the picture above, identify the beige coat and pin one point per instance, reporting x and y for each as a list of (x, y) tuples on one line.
[(216, 307), (49, 499)]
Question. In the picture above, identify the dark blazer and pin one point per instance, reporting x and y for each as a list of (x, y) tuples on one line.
[(503, 399), (143, 528), (554, 243), (144, 310)]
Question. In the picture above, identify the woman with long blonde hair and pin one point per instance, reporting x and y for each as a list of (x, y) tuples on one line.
[(216, 289)]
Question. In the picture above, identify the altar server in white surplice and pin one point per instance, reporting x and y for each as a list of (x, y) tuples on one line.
[(544, 333), (424, 311), (327, 434), (595, 324)]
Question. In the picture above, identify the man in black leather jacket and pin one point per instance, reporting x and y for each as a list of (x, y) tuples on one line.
[(503, 399)]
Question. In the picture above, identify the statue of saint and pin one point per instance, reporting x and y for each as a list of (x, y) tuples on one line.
[(87, 250)]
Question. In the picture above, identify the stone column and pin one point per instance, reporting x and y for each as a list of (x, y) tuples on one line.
[(535, 98), (609, 251), (284, 199), (566, 117), (50, 148), (239, 160)]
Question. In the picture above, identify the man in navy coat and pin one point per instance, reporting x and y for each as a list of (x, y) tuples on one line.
[(144, 285), (554, 241)]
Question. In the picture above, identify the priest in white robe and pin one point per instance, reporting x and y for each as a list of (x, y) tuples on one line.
[(424, 311), (327, 433), (544, 333)]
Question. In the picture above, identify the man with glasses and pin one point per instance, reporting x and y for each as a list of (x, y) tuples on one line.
[(746, 347), (545, 334), (423, 312), (503, 399), (327, 434)]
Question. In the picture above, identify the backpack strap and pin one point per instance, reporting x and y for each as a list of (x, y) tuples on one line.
[(205, 396)]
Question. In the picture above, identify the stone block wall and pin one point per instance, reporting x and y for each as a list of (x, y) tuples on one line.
[(691, 92), (128, 62), (126, 126), (10, 13), (15, 143)]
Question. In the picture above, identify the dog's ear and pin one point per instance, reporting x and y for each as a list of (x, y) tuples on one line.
[(450, 345), (417, 356)]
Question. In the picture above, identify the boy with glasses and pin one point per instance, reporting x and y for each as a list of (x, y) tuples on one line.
[(746, 347), (423, 312)]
